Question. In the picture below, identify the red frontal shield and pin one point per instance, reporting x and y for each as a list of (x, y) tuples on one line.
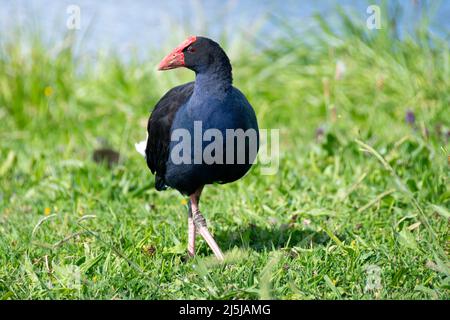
[(175, 59)]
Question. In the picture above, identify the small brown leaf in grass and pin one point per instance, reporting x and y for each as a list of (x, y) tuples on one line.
[(149, 250), (294, 218), (431, 265), (108, 156)]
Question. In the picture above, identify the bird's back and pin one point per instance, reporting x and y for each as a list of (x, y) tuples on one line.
[(158, 128)]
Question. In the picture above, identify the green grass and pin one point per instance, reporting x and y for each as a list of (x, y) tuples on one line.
[(371, 191)]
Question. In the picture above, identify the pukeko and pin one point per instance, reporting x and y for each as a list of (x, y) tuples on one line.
[(213, 103)]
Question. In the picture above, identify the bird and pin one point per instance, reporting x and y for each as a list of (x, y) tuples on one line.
[(210, 103)]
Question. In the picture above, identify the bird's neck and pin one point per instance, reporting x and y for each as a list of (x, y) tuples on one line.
[(215, 81)]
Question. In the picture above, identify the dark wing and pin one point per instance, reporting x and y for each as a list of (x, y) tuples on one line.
[(158, 128)]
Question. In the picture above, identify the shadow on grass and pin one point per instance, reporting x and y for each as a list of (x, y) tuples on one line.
[(262, 238)]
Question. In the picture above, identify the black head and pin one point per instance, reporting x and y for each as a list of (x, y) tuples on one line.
[(199, 54)]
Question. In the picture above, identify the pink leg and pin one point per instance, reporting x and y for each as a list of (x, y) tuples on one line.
[(200, 224), (191, 234)]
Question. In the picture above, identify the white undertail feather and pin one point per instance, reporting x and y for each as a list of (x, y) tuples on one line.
[(140, 146)]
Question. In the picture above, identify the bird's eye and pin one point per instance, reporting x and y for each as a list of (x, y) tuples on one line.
[(190, 49)]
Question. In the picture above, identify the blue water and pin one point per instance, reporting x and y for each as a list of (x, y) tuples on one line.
[(140, 25)]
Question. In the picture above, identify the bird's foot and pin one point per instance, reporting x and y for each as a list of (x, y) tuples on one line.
[(201, 227), (199, 220), (187, 257)]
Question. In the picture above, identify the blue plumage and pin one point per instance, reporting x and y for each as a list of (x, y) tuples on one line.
[(216, 104), (208, 118)]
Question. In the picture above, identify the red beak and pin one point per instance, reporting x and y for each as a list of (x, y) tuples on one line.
[(175, 59)]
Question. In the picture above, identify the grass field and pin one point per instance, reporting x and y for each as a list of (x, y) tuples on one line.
[(357, 210)]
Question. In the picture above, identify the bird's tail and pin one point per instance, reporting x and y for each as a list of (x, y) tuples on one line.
[(141, 146)]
